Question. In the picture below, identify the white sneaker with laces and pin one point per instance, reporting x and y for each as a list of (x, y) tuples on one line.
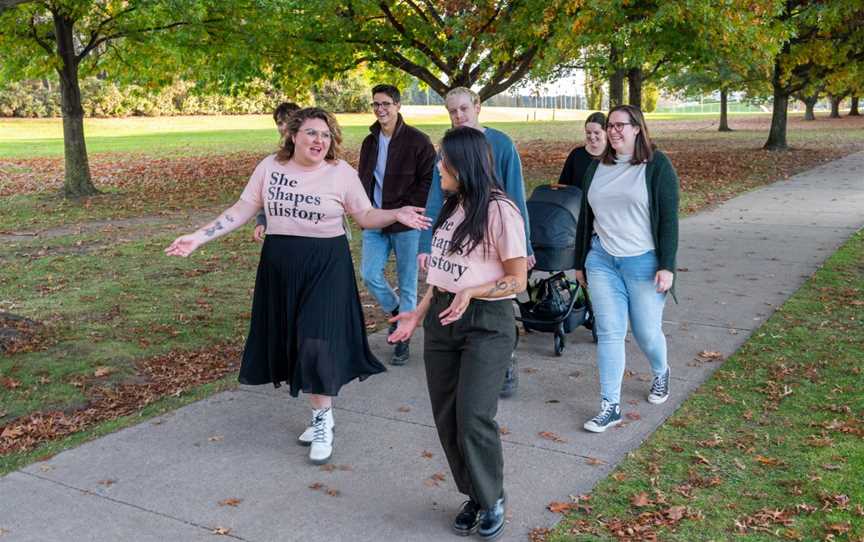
[(321, 448), (308, 434)]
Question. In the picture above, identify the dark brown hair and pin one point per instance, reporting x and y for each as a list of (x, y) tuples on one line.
[(296, 120), (284, 110), (597, 118), (643, 150)]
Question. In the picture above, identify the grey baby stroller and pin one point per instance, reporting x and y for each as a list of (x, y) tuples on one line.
[(555, 303)]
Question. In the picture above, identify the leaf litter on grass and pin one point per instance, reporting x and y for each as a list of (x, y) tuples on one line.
[(158, 376)]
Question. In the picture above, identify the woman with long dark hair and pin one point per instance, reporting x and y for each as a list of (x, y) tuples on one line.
[(307, 324), (478, 263), (626, 243)]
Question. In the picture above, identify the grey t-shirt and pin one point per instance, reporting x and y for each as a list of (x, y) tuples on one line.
[(618, 195), (380, 169)]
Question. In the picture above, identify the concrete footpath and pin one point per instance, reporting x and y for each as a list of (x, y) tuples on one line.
[(171, 478)]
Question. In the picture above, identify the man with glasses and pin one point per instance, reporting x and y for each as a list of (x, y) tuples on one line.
[(396, 162)]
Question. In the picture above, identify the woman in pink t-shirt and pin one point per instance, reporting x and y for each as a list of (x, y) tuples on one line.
[(307, 325), (478, 263)]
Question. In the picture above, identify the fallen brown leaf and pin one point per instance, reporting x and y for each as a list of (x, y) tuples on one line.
[(222, 531), (103, 371), (640, 500), (230, 502), (426, 454), (549, 435), (593, 461), (560, 507)]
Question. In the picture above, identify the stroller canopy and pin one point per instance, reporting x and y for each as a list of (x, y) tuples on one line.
[(553, 213)]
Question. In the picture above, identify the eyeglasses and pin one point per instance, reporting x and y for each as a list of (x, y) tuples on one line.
[(316, 133), (379, 105), (618, 126)]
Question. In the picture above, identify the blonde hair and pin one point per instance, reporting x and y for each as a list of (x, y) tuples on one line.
[(462, 91)]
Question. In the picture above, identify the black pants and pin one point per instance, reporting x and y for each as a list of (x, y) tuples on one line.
[(466, 362)]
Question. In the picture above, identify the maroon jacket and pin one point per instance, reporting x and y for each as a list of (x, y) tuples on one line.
[(408, 175)]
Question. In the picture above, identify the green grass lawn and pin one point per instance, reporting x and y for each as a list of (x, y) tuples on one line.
[(771, 447), (201, 135)]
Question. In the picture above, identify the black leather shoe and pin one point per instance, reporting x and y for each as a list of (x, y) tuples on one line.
[(468, 519), (400, 354), (511, 379), (492, 520)]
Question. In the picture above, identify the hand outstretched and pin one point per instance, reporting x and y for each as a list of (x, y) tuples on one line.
[(183, 245), (413, 217)]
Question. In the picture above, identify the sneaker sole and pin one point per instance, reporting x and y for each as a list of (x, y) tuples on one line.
[(460, 532), (494, 535), (322, 461), (398, 362), (658, 401), (309, 442), (598, 429)]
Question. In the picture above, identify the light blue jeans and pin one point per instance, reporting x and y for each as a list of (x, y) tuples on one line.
[(621, 290), (374, 255)]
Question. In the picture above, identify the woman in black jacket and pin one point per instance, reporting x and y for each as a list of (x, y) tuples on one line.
[(581, 157)]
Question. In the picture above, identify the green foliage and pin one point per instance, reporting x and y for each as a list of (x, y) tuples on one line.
[(489, 44), (349, 93), (103, 98), (650, 96)]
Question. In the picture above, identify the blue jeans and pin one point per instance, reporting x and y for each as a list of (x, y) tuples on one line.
[(623, 289), (374, 255)]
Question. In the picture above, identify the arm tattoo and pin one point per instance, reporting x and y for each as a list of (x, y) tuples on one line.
[(209, 232), (501, 286), (229, 218)]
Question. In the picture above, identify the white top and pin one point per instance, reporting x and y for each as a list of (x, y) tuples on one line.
[(618, 195)]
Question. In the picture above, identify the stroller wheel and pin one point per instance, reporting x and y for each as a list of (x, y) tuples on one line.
[(559, 344)]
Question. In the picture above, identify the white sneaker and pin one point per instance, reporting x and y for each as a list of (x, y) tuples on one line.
[(308, 434), (321, 448)]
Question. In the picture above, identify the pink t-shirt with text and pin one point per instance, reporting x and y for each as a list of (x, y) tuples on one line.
[(305, 203), (457, 271)]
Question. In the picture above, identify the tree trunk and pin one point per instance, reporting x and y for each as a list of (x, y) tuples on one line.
[(634, 86), (809, 106), (77, 182), (835, 106), (724, 111), (616, 79), (853, 107), (777, 135)]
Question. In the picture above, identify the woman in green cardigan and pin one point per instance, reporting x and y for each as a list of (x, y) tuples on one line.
[(627, 239)]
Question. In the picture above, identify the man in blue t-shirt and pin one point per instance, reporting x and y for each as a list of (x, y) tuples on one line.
[(396, 163), (463, 106)]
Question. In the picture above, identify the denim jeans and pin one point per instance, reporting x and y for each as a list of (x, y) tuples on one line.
[(374, 255), (622, 289)]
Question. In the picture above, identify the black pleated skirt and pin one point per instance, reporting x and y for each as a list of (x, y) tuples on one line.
[(307, 325)]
